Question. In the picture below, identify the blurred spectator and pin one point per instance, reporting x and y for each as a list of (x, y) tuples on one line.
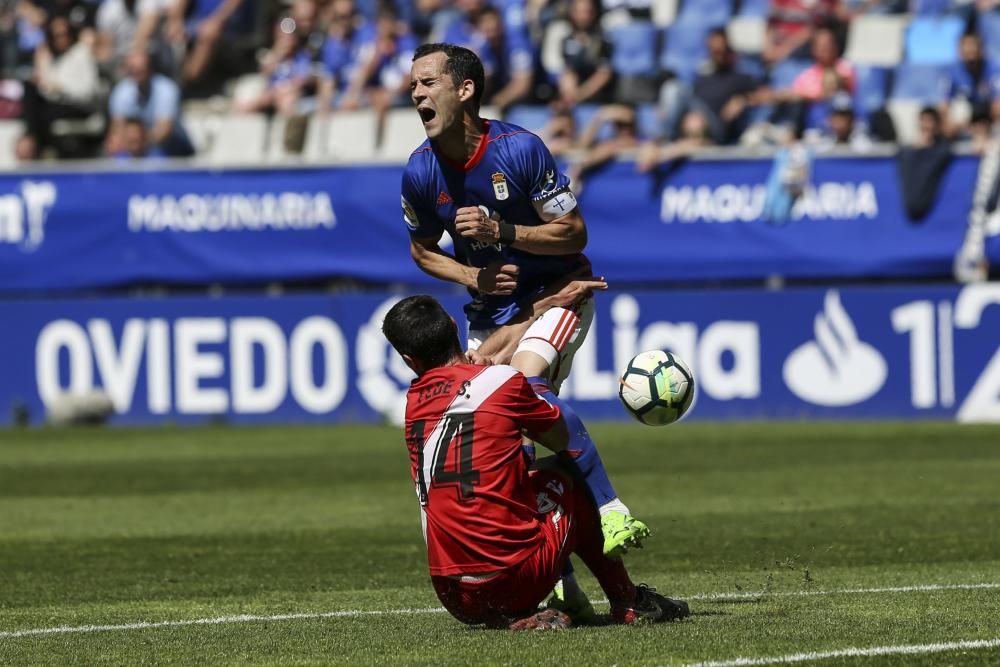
[(135, 142), (124, 25), (348, 36), (431, 18), (381, 79), (587, 75), (840, 130), (559, 134), (790, 26), (829, 73), (695, 134), (289, 66), (64, 84), (624, 135), (507, 59), (975, 85), (153, 98), (204, 22), (721, 92), (922, 165)]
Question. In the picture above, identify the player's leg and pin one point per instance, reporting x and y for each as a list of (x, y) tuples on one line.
[(545, 352), (630, 603)]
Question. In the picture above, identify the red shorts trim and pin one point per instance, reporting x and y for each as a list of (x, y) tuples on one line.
[(517, 591)]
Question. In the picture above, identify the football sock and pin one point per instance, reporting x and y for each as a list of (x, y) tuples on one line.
[(615, 505), (609, 572), (581, 448)]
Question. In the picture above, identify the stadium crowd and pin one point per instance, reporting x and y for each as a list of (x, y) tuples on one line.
[(666, 78)]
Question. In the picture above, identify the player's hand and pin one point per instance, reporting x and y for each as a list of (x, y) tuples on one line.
[(478, 359), (471, 222), (578, 290), (498, 279)]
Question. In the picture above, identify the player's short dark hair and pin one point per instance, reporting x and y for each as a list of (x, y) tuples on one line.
[(462, 64), (418, 326)]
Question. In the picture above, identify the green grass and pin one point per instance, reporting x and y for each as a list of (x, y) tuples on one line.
[(120, 526)]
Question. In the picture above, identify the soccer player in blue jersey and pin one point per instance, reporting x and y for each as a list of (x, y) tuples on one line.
[(496, 190)]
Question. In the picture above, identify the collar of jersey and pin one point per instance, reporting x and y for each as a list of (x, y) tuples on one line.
[(476, 157)]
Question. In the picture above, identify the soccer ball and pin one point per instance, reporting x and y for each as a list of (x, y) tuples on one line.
[(657, 388)]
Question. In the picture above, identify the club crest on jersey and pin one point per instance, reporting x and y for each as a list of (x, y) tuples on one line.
[(500, 186)]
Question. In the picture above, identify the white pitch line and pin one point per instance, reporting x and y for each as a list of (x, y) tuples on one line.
[(855, 652), (920, 588), (218, 620), (355, 613)]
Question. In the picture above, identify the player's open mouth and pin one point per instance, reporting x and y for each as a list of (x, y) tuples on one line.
[(426, 114)]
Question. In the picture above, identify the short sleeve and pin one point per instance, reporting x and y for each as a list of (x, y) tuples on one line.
[(520, 403), (544, 183), (420, 218)]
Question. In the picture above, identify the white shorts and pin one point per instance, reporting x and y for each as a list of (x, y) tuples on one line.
[(551, 326)]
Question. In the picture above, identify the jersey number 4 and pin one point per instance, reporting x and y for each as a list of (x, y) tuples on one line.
[(461, 473)]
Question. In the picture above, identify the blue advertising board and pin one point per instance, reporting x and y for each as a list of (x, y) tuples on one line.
[(874, 352), (64, 231)]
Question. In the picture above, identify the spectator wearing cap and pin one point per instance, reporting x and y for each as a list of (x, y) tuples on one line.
[(974, 85), (841, 130), (586, 52)]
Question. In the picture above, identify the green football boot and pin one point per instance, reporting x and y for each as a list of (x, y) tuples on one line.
[(621, 533)]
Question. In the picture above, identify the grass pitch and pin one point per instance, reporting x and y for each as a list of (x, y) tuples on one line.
[(778, 533)]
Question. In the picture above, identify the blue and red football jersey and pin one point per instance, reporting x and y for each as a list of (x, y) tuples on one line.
[(513, 175)]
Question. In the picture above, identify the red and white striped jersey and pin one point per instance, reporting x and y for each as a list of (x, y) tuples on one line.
[(464, 427)]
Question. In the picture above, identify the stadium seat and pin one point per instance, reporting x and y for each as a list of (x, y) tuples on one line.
[(989, 30), (933, 40), (872, 88), (10, 132), (709, 13), (683, 49), (402, 135), (756, 8), (532, 117), (201, 128), (905, 118), (924, 83), (240, 139), (747, 34), (664, 12), (347, 135), (929, 7), (634, 49), (876, 40)]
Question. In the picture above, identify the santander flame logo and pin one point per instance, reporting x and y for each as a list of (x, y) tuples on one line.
[(836, 369)]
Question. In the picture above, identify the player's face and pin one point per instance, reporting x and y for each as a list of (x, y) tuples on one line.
[(434, 93)]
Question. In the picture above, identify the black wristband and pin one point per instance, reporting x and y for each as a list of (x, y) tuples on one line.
[(506, 232)]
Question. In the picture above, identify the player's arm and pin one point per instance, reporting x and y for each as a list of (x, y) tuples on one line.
[(497, 278), (500, 346), (562, 231)]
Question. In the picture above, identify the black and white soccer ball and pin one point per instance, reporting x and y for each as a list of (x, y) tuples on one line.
[(657, 387)]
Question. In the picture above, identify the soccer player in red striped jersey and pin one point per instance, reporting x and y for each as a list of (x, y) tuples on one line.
[(497, 533), (516, 229)]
